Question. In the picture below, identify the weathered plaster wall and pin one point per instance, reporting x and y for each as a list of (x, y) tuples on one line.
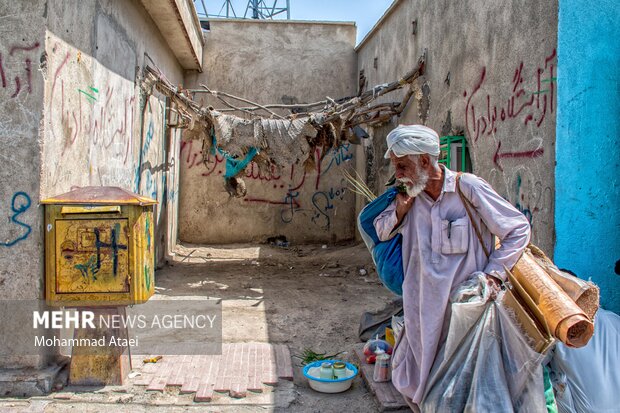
[(99, 129), (491, 69), (271, 62), (71, 115), (588, 156), (22, 49)]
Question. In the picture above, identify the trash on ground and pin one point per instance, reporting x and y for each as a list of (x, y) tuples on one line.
[(278, 241)]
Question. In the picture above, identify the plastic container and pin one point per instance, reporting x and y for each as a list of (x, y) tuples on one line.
[(312, 372), (382, 367), (326, 371), (340, 370)]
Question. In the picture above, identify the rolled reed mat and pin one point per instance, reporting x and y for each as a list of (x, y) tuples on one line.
[(567, 321), (585, 293)]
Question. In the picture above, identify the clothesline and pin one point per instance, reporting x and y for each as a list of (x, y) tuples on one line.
[(277, 139)]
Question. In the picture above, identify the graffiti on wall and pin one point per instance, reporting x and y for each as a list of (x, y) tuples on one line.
[(300, 191), (529, 100), (525, 189), (151, 175), (16, 68), (19, 230), (90, 111), (323, 203), (92, 255)]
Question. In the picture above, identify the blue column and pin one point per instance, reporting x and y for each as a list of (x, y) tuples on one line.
[(587, 175)]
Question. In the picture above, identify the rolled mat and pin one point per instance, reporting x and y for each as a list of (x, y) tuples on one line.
[(584, 293), (564, 318)]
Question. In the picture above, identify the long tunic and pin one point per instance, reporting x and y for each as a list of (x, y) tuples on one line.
[(440, 251)]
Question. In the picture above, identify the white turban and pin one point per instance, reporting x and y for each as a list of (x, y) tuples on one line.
[(412, 140)]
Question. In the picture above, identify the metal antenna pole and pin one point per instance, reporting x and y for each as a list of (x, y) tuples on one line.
[(204, 8), (260, 9), (254, 9)]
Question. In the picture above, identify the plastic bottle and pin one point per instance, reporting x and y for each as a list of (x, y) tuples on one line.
[(382, 367)]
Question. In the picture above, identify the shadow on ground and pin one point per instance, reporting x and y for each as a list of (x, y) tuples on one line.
[(305, 297)]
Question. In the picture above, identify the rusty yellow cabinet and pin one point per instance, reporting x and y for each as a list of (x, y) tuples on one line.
[(99, 248)]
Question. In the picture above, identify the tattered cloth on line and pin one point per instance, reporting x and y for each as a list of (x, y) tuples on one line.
[(284, 141), (277, 141)]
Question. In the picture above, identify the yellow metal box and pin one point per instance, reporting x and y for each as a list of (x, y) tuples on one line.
[(99, 248)]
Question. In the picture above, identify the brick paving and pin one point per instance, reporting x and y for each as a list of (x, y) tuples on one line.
[(241, 367)]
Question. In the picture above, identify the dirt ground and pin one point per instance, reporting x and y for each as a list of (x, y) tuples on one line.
[(309, 296)]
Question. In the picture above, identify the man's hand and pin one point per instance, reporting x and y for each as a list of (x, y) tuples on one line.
[(403, 204)]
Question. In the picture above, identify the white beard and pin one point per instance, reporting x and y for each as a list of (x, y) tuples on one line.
[(415, 188)]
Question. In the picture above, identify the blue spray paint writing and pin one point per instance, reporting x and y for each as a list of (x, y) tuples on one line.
[(113, 245), (19, 204), (339, 155), (149, 138), (290, 200), (136, 179), (89, 268), (322, 202), (151, 185), (524, 210)]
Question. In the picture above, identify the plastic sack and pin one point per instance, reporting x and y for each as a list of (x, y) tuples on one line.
[(375, 344), (587, 379), (387, 255), (486, 364), (398, 322)]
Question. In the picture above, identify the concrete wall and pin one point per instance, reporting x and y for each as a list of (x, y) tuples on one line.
[(271, 62), (491, 69), (99, 129), (588, 156), (22, 49), (71, 115)]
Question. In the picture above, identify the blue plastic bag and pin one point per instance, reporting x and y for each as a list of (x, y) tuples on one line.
[(387, 255)]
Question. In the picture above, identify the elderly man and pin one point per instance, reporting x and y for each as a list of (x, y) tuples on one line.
[(440, 246)]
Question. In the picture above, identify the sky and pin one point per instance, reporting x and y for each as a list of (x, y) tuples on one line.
[(364, 13)]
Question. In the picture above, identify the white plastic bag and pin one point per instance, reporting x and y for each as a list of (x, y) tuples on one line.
[(398, 322), (485, 365)]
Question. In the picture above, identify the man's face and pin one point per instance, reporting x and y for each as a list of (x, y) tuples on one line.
[(409, 171), (405, 167)]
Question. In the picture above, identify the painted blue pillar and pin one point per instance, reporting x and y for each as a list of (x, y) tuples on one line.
[(587, 176)]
